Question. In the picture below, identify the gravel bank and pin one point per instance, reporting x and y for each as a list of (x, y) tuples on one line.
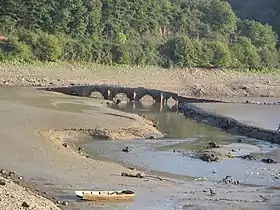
[(214, 84)]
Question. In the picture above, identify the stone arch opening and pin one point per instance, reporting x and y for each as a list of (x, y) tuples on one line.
[(172, 101), (96, 94), (147, 98), (121, 96)]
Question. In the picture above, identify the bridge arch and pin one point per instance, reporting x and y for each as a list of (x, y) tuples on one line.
[(120, 95), (146, 97), (96, 93)]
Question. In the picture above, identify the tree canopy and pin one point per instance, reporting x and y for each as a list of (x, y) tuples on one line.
[(183, 33)]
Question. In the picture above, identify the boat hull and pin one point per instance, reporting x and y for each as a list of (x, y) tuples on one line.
[(105, 195)]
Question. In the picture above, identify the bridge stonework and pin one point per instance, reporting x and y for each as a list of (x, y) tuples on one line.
[(109, 92)]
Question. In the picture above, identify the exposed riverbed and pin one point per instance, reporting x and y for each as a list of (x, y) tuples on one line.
[(167, 155), (60, 171)]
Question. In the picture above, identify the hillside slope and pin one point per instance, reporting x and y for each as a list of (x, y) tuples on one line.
[(267, 11)]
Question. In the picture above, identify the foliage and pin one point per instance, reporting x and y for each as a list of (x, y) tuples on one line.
[(245, 53), (183, 33)]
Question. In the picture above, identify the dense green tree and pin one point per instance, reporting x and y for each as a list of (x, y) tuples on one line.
[(221, 17), (220, 54), (262, 36), (267, 11), (183, 33), (245, 53)]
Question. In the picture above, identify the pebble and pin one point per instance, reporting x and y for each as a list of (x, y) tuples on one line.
[(64, 203), (2, 182), (65, 145), (25, 204)]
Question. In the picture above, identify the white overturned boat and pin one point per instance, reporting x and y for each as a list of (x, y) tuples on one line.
[(105, 195)]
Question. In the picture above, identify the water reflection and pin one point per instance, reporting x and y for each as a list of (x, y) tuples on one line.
[(172, 123), (145, 107)]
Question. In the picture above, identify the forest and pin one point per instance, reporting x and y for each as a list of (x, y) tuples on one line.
[(168, 33)]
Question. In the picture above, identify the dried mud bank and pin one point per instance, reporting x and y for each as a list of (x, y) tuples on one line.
[(147, 129), (198, 83), (228, 124)]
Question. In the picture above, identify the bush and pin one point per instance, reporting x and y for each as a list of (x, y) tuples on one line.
[(15, 50), (245, 54), (220, 53), (47, 48), (178, 51)]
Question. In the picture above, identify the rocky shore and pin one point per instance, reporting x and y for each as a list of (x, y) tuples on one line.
[(16, 194)]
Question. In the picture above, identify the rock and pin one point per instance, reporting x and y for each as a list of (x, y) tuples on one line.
[(2, 182), (209, 157), (213, 145), (25, 204), (151, 137), (64, 203), (11, 173), (118, 101), (2, 171), (65, 145), (248, 157), (268, 160), (126, 149), (229, 180), (80, 149)]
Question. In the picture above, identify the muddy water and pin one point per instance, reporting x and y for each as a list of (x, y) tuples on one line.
[(184, 134)]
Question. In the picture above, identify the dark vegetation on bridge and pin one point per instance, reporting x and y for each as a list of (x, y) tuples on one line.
[(182, 33)]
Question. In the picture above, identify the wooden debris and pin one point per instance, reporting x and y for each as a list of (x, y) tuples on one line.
[(139, 175)]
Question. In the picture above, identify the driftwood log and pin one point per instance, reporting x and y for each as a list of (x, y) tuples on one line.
[(139, 175)]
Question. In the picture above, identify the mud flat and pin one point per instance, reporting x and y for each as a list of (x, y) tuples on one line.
[(253, 121), (59, 170)]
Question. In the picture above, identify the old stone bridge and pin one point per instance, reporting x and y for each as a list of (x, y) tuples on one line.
[(109, 92)]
